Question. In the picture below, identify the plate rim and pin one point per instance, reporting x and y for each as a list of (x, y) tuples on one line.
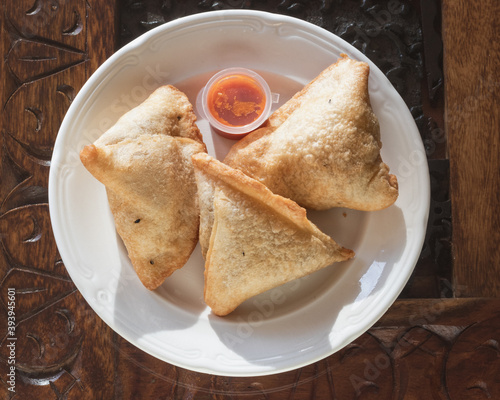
[(97, 77)]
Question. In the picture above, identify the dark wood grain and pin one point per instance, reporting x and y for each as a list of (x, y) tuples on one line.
[(420, 349), (62, 349), (472, 67), (439, 348)]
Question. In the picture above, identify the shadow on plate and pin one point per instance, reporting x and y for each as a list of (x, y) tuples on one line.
[(175, 305), (315, 315), (323, 312)]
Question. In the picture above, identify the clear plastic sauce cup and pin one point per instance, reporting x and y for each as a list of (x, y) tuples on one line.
[(236, 101)]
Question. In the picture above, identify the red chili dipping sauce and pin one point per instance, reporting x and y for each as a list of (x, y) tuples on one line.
[(236, 100)]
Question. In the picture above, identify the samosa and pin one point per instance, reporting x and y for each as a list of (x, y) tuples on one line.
[(144, 161), (253, 240), (322, 147)]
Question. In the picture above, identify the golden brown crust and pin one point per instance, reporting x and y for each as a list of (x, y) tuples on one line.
[(144, 161), (251, 188), (167, 111), (258, 240), (322, 147)]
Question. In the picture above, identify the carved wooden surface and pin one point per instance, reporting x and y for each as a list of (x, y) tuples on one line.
[(422, 349), (48, 53), (431, 345)]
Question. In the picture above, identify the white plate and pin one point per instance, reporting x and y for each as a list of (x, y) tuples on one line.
[(285, 328)]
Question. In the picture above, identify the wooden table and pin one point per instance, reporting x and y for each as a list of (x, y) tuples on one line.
[(440, 340)]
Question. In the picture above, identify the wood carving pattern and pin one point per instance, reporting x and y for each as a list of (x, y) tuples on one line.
[(415, 360), (44, 65), (73, 355), (473, 367)]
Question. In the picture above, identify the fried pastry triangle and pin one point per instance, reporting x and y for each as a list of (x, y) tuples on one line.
[(257, 241), (144, 161), (322, 148)]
